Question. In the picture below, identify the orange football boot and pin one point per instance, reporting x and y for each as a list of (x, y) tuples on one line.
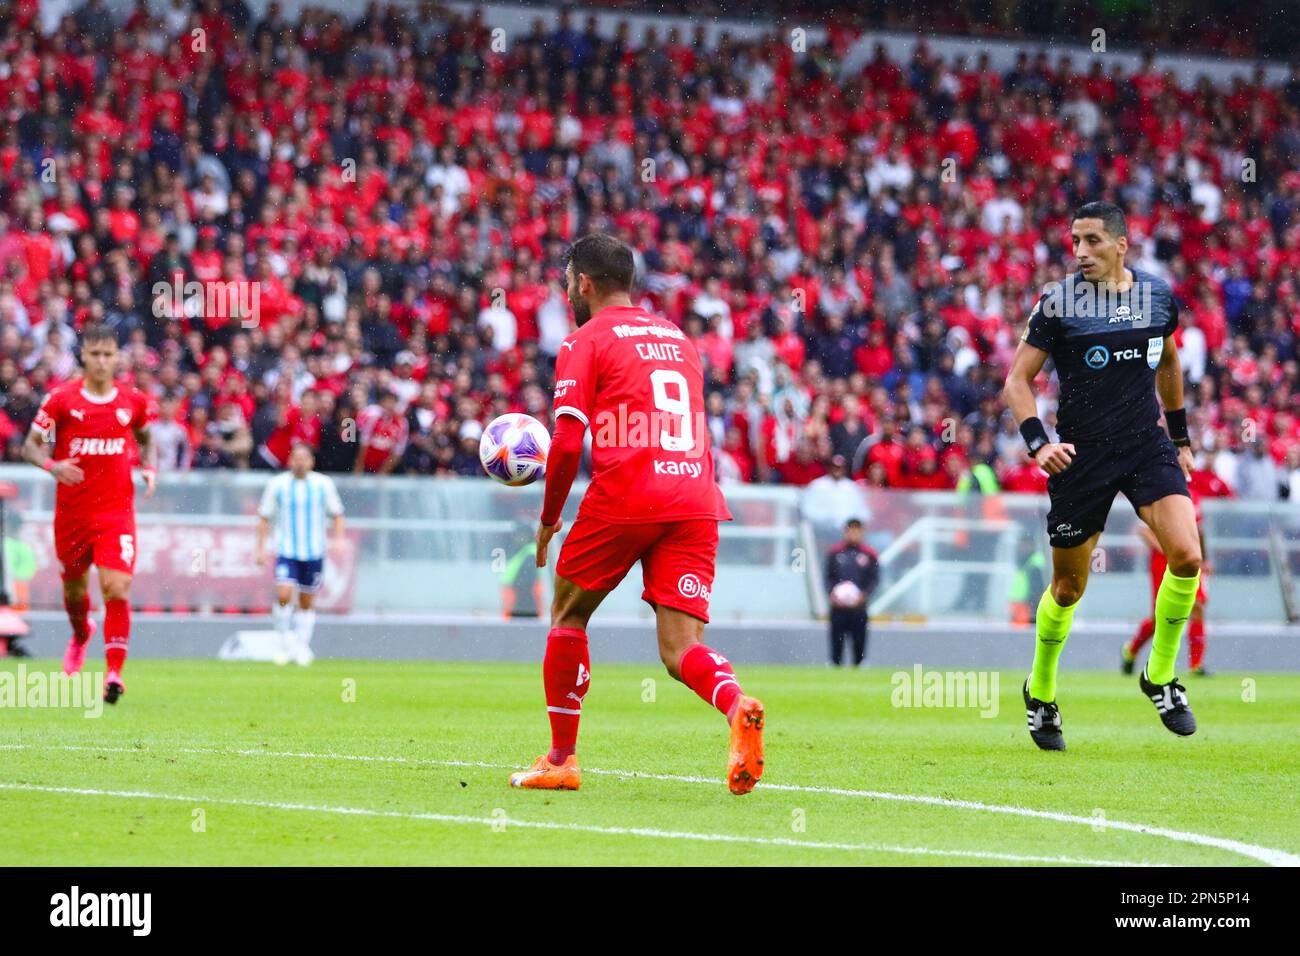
[(745, 765), (544, 775)]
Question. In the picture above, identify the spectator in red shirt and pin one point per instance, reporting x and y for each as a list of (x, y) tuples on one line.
[(1026, 477), (383, 434)]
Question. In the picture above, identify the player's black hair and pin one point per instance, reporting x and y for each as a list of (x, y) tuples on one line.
[(605, 260), (853, 523), (97, 332), (1111, 216)]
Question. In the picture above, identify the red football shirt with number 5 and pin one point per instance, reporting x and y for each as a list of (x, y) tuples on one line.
[(94, 520), (635, 380)]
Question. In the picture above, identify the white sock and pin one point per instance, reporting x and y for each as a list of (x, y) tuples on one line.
[(282, 614), (304, 624)]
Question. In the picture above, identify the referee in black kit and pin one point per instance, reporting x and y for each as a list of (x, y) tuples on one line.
[(1108, 330), (852, 573)]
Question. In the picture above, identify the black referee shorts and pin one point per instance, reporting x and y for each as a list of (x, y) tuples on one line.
[(1145, 470)]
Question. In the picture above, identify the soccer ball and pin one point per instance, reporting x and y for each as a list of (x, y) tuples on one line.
[(846, 594), (513, 449)]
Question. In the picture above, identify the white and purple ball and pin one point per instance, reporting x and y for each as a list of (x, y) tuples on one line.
[(513, 449), (846, 594)]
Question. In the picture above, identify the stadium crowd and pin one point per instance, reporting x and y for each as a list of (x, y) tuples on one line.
[(854, 256)]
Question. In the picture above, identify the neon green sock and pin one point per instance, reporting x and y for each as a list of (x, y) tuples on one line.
[(1174, 603), (1053, 627)]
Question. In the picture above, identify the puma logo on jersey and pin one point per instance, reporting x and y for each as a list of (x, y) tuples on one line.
[(96, 446), (78, 414), (567, 345)]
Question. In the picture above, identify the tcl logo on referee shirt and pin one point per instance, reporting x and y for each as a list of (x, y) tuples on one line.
[(1098, 357)]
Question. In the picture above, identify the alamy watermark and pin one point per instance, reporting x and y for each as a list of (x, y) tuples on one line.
[(941, 689), (236, 300), (1075, 298), (21, 688), (132, 911)]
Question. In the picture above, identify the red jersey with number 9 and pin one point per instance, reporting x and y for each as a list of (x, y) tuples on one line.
[(98, 431), (635, 380)]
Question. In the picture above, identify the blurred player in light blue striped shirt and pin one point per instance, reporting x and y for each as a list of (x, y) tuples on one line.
[(298, 501)]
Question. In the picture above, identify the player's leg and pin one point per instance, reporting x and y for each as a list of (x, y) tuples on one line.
[(678, 576), (566, 678), (837, 637), (566, 668), (304, 627), (593, 559), (1081, 497), (1128, 657), (1196, 640), (304, 618), (1055, 614), (73, 550), (114, 558), (859, 639), (1173, 521), (1156, 487), (1131, 650), (286, 583), (1070, 567), (76, 601), (115, 585)]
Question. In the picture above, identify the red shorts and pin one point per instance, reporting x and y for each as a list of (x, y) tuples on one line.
[(1158, 565), (677, 559), (105, 540)]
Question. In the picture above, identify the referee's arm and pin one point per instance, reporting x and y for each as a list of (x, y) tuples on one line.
[(1018, 393), (1169, 386)]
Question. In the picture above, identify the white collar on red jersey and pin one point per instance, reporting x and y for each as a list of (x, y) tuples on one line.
[(99, 399)]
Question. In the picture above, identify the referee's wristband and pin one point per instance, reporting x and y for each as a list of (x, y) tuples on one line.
[(1034, 434), (1177, 422)]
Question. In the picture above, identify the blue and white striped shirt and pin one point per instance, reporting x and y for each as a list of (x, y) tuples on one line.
[(299, 508)]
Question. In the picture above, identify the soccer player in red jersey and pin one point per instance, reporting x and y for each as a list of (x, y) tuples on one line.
[(635, 380), (1204, 484), (93, 422)]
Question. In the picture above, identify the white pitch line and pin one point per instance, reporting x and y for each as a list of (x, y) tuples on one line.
[(506, 822), (1266, 855)]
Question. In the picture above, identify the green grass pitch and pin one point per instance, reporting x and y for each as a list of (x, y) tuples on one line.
[(216, 763)]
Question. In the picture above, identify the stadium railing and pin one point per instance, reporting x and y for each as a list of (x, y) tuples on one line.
[(422, 546)]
